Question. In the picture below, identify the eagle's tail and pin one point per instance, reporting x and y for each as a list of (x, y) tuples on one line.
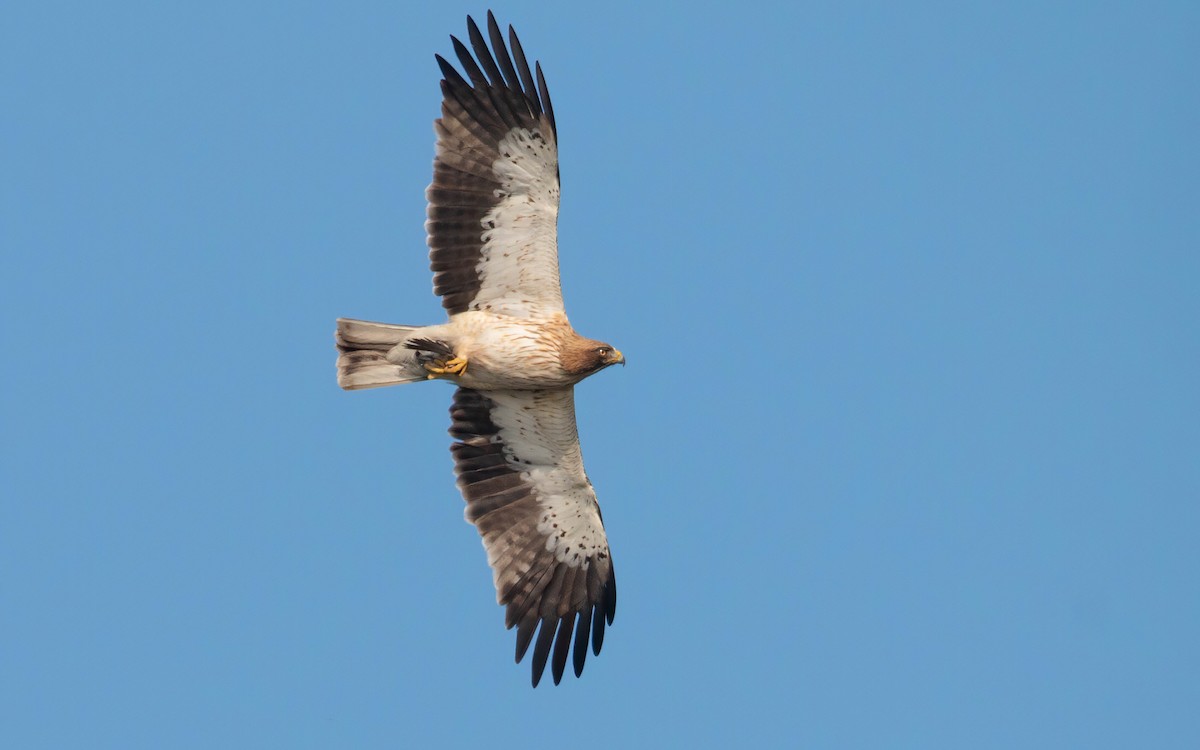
[(370, 355)]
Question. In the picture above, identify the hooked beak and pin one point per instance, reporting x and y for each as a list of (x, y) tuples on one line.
[(618, 358)]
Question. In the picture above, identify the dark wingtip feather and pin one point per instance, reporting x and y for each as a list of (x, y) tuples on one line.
[(449, 73), (471, 25), (479, 44), (541, 649), (562, 647), (524, 635), (527, 84), (597, 630), (502, 56), (468, 62), (582, 631), (610, 597), (544, 93)]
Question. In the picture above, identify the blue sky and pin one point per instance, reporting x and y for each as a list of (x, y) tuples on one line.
[(906, 455)]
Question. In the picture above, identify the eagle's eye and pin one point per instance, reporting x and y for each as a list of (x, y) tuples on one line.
[(603, 351)]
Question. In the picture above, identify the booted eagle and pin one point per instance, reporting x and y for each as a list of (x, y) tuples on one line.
[(507, 346)]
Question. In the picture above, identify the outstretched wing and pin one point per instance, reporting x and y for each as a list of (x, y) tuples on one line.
[(521, 472), (493, 204)]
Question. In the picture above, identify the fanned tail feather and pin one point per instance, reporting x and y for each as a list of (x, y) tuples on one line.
[(371, 355)]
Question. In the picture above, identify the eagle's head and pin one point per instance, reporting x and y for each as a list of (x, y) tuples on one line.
[(586, 356)]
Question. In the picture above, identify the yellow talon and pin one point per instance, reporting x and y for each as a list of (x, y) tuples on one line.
[(456, 366)]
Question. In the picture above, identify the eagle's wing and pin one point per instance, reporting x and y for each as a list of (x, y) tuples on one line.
[(493, 204), (521, 472)]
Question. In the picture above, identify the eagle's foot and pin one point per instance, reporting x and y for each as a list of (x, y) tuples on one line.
[(455, 366)]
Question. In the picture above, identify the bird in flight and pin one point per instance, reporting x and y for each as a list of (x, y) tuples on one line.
[(508, 347)]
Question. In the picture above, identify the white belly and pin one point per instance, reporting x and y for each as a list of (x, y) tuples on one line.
[(507, 353)]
